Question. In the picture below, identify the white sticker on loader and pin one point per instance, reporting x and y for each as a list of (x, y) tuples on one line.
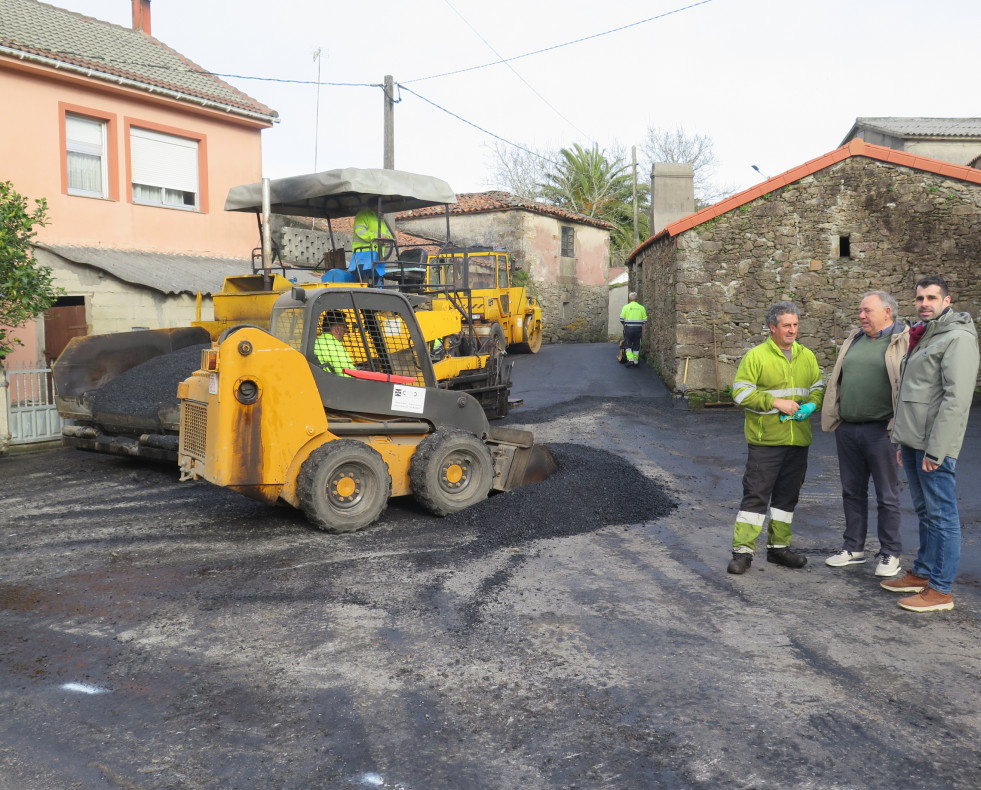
[(410, 399)]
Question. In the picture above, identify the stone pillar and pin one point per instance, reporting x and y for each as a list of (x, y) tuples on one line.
[(672, 194)]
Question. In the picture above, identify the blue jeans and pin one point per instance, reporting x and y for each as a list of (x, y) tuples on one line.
[(935, 501)]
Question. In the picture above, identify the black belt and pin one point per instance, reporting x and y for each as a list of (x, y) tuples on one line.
[(866, 422)]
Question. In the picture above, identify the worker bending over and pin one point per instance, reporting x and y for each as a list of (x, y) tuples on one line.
[(633, 316)]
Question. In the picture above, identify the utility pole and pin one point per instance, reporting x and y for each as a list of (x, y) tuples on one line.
[(316, 121), (389, 123)]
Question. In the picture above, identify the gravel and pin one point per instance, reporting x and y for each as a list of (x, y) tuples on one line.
[(142, 390)]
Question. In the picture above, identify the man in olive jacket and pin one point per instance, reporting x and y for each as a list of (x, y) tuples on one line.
[(858, 406), (778, 384), (939, 375)]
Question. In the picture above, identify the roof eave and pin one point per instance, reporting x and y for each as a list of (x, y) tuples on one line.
[(145, 87)]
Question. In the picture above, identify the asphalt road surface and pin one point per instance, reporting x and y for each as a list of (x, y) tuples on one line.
[(581, 633)]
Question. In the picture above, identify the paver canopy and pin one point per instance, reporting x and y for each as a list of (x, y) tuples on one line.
[(341, 193)]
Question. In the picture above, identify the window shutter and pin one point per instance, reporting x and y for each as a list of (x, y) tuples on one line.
[(84, 135), (163, 160)]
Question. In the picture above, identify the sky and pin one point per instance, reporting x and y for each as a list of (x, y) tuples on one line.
[(773, 83)]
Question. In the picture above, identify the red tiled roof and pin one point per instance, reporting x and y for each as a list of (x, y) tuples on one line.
[(856, 147), (46, 35), (483, 202)]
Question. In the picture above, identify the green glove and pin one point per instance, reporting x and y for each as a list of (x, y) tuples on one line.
[(804, 412)]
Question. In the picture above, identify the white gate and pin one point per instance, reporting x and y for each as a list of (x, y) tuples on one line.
[(33, 416)]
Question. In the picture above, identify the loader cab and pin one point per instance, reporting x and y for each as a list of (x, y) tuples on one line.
[(382, 338)]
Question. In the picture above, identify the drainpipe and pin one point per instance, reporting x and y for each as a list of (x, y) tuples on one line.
[(5, 435)]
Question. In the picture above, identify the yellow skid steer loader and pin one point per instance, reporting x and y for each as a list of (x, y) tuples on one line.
[(270, 415)]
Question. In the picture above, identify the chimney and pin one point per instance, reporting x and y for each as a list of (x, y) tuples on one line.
[(141, 16), (672, 194)]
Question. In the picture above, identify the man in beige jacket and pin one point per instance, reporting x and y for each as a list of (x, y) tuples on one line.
[(859, 405)]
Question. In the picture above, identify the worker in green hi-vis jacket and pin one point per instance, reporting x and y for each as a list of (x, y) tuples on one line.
[(329, 346)]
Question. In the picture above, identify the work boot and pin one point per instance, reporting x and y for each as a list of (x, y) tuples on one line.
[(786, 556), (908, 583), (740, 562), (929, 600)]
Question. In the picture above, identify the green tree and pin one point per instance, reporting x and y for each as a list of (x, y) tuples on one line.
[(589, 182), (26, 288)]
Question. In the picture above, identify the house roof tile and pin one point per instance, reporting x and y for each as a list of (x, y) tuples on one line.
[(856, 147), (42, 33), (917, 127), (484, 202), (167, 273)]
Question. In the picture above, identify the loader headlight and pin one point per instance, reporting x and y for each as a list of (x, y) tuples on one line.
[(247, 391)]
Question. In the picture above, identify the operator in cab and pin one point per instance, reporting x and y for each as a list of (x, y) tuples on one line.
[(329, 346)]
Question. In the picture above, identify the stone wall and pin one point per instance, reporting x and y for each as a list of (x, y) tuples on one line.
[(573, 313), (823, 241)]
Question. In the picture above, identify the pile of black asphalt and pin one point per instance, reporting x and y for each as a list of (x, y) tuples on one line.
[(142, 390), (591, 489)]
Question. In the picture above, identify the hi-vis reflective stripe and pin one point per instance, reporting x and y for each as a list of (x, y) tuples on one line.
[(783, 516), (756, 519), (746, 388), (743, 390)]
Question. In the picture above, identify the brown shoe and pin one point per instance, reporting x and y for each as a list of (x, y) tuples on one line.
[(928, 601), (908, 583)]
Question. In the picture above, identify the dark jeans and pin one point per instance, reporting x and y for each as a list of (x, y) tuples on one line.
[(632, 336), (864, 451)]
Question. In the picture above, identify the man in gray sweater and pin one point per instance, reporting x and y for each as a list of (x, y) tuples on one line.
[(939, 375)]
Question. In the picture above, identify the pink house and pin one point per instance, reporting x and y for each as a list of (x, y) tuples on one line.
[(134, 147)]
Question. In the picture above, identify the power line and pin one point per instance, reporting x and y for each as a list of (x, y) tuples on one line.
[(514, 71), (478, 128), (560, 46)]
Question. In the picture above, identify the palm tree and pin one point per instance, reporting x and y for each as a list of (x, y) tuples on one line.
[(589, 182)]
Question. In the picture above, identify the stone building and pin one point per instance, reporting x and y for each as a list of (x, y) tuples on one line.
[(566, 255), (956, 140), (859, 218)]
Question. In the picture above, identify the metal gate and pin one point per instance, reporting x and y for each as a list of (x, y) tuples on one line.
[(33, 416)]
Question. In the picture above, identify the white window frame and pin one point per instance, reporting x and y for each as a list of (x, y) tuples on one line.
[(90, 142), (164, 170)]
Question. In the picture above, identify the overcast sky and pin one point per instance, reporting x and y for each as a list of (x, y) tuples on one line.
[(774, 83)]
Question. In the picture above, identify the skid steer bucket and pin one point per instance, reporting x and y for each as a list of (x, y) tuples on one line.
[(518, 461)]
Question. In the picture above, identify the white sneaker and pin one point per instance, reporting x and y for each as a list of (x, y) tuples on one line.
[(888, 565), (846, 557)]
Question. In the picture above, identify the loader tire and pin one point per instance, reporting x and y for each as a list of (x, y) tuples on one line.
[(449, 471), (343, 486)]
